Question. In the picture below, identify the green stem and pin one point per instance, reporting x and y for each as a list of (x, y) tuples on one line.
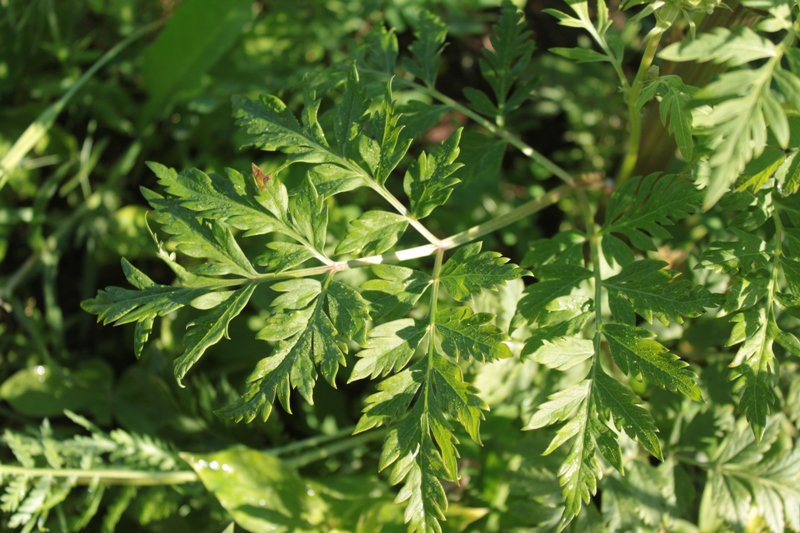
[(489, 126), (333, 449), (437, 270), (106, 476), (43, 122), (632, 97), (311, 441)]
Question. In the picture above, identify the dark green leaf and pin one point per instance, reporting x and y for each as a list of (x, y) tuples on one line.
[(464, 334), (396, 292), (372, 233), (428, 182), (427, 49)]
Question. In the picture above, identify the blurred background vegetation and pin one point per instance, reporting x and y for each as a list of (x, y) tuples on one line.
[(70, 208)]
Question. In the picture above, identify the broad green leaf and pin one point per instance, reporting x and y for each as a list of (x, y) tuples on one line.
[(372, 233), (653, 292), (310, 215), (281, 256), (209, 329), (46, 390), (758, 170), (615, 400), (566, 247), (637, 354), (479, 101), (674, 106), (388, 348), (555, 281), (330, 179), (196, 239), (482, 157), (430, 34), (350, 112), (396, 292), (648, 204), (467, 334), (349, 312), (169, 67), (563, 353), (468, 271), (428, 182), (259, 490)]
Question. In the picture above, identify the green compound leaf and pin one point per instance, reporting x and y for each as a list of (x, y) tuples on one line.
[(281, 256), (464, 334), (308, 338), (372, 233), (388, 349), (122, 306), (209, 329), (503, 63), (427, 49), (555, 281), (310, 215), (645, 287), (382, 48), (196, 239), (396, 292), (616, 401), (468, 271), (647, 204), (637, 354), (428, 182)]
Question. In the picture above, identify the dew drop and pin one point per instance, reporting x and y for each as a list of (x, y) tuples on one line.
[(214, 465), (40, 370)]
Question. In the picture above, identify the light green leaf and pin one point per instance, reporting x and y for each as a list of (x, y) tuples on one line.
[(209, 330), (636, 353), (555, 281), (734, 46), (393, 398), (310, 215), (396, 292), (581, 55), (259, 490), (348, 311), (561, 406), (428, 182), (563, 353), (281, 256), (464, 334), (372, 233), (748, 254), (388, 348), (468, 271), (549, 334)]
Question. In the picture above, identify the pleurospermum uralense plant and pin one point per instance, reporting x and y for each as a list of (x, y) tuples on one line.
[(581, 357)]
